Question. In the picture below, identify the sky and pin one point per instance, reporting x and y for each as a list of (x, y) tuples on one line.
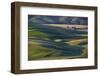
[(44, 19)]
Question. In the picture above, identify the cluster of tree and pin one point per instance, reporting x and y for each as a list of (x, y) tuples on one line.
[(76, 28)]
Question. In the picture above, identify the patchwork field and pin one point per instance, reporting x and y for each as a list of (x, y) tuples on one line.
[(56, 42)]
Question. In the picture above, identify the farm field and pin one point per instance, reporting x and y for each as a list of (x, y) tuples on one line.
[(55, 41)]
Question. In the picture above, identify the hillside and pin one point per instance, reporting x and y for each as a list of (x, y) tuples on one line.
[(50, 41)]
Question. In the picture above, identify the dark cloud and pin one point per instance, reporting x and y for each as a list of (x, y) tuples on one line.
[(40, 19)]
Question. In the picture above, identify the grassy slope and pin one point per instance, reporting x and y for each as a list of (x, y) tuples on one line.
[(81, 43)]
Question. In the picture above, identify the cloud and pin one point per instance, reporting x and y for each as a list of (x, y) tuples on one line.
[(48, 19), (62, 19), (40, 19)]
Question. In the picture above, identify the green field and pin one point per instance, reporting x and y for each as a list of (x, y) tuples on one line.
[(50, 42)]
